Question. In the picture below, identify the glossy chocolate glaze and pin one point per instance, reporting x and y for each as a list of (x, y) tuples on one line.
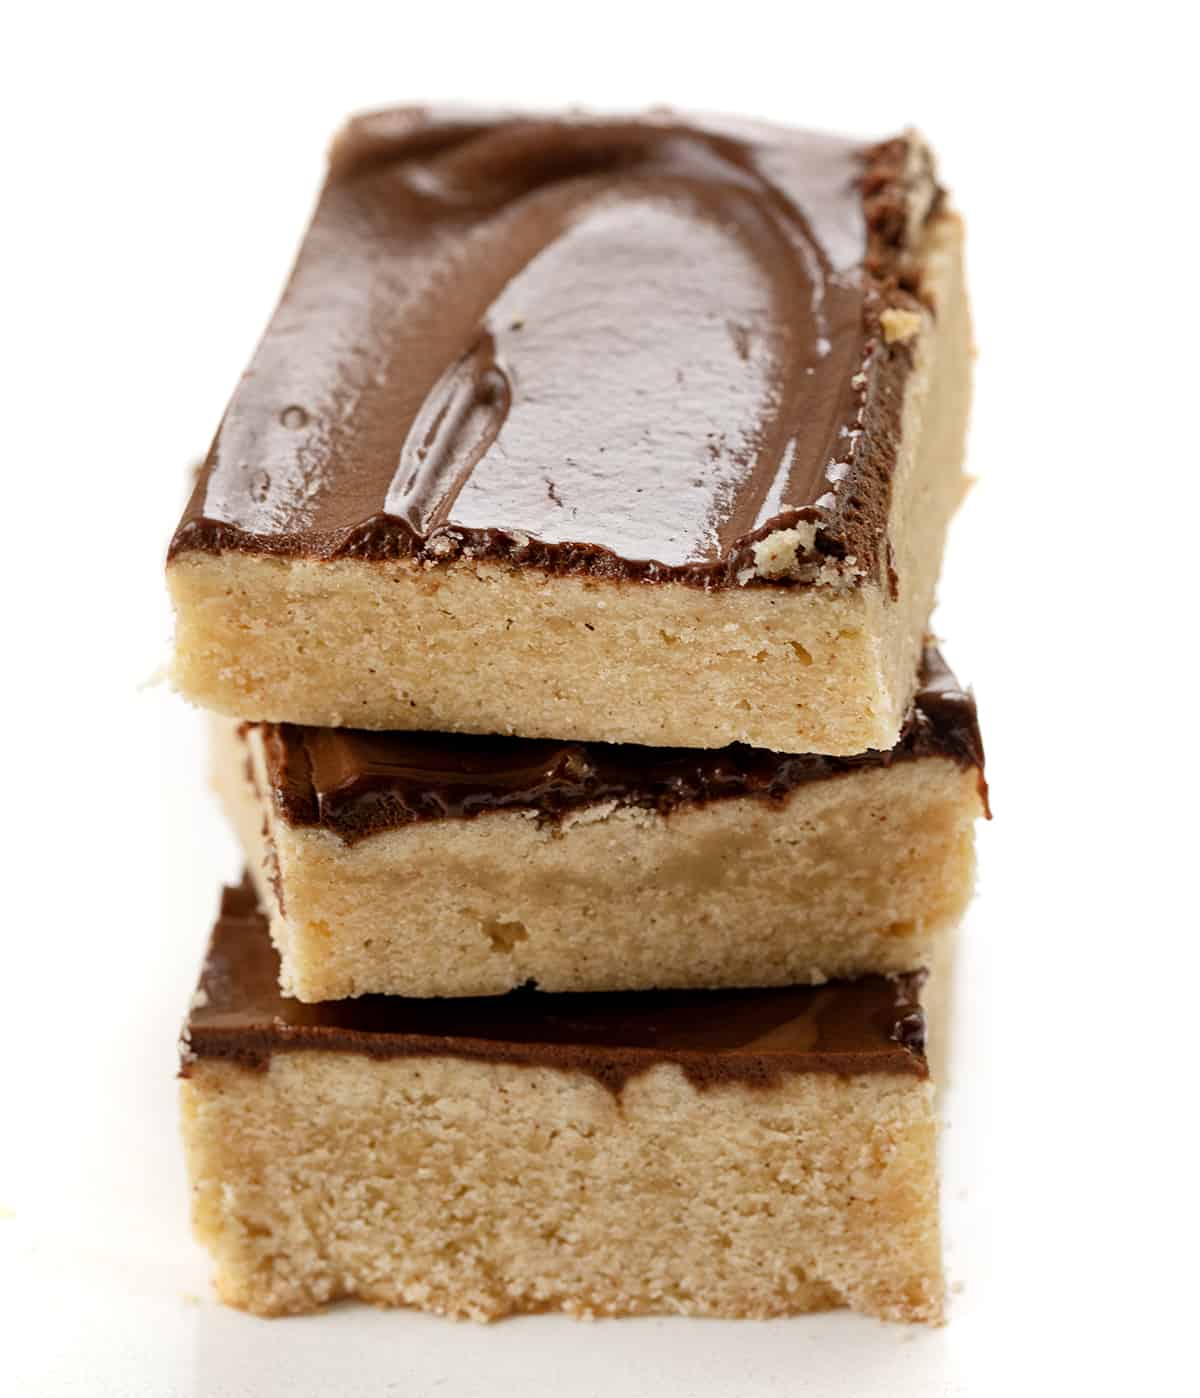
[(870, 1025), (621, 347), (355, 782)]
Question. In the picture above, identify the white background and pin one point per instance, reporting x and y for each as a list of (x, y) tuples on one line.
[(158, 167)]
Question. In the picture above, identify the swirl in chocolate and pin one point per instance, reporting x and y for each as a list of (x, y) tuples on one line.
[(622, 347)]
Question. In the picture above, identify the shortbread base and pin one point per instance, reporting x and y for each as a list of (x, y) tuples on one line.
[(479, 1190)]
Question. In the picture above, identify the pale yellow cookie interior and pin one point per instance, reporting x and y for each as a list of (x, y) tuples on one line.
[(482, 1189)]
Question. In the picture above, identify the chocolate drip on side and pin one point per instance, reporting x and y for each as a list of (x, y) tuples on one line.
[(750, 1037)]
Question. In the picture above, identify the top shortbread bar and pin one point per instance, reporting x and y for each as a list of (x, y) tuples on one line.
[(639, 430)]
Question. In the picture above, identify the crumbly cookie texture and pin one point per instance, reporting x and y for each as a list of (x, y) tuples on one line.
[(845, 876), (482, 1189), (899, 324)]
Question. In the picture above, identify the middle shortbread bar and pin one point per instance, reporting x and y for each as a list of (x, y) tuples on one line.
[(436, 864)]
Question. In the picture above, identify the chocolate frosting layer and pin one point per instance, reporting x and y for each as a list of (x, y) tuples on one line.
[(623, 347), (870, 1025), (356, 783)]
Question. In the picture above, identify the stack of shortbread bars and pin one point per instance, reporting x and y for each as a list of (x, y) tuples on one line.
[(560, 578)]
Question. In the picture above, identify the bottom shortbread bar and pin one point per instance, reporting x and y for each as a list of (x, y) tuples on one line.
[(721, 1153)]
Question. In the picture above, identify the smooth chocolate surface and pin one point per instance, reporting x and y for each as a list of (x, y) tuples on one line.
[(871, 1025), (355, 782), (623, 347)]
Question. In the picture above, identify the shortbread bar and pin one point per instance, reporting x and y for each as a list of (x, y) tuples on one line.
[(432, 864), (639, 430), (721, 1153)]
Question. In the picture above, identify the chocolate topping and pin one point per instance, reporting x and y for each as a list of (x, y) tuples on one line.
[(615, 347), (355, 783), (869, 1025)]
